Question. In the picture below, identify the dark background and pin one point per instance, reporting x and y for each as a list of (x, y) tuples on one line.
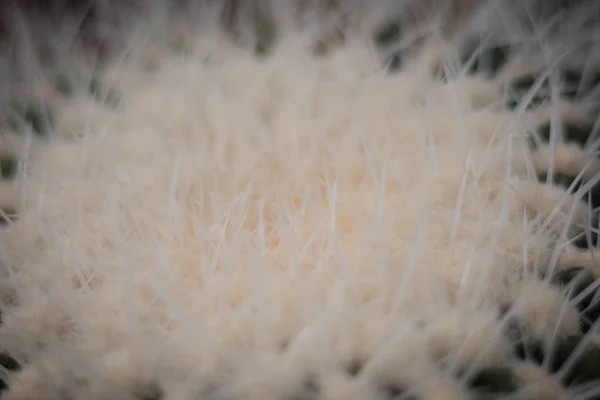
[(92, 14)]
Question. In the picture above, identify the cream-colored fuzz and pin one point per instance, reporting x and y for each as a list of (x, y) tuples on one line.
[(251, 225)]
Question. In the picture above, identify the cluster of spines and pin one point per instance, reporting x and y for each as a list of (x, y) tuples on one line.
[(580, 358), (579, 284), (36, 116)]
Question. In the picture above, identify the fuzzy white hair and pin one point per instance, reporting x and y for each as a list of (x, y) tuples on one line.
[(336, 200)]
